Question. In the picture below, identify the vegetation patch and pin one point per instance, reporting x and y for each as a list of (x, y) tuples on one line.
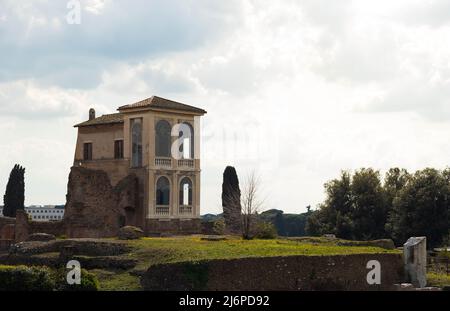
[(39, 278), (438, 279), (89, 281), (22, 278), (152, 251), (116, 280)]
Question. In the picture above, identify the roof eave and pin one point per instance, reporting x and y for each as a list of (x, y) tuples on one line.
[(201, 112), (97, 124)]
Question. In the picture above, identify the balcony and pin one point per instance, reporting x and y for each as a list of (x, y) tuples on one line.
[(162, 210), (186, 163), (163, 162), (185, 210)]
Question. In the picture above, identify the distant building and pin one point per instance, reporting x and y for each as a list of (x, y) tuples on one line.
[(43, 213)]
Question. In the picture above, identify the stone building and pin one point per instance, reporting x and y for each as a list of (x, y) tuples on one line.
[(149, 152)]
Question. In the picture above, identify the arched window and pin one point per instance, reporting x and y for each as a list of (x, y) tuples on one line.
[(162, 191), (163, 139), (188, 141), (185, 191), (136, 142)]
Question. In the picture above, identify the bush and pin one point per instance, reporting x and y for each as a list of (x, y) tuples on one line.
[(219, 227), (265, 230), (22, 278), (89, 281)]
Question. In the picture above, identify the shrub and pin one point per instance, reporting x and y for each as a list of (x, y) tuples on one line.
[(22, 278), (265, 230), (89, 281), (219, 227)]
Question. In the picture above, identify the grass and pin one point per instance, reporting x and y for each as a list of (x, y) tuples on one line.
[(116, 280), (438, 279), (151, 251)]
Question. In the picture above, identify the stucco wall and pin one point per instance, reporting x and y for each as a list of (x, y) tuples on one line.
[(292, 273), (102, 138)]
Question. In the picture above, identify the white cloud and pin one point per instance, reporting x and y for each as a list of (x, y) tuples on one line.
[(25, 99), (328, 85)]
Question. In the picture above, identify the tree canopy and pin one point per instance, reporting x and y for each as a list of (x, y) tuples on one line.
[(360, 206)]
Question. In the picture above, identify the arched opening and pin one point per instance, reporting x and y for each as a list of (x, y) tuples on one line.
[(163, 191), (185, 191), (185, 196), (162, 196), (162, 139), (187, 145)]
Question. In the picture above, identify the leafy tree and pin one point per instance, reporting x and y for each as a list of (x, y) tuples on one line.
[(362, 207), (279, 223), (422, 208), (231, 200), (394, 181), (14, 197), (369, 207), (355, 207), (338, 202)]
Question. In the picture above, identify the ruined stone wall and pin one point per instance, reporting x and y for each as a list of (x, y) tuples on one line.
[(53, 227), (5, 223), (290, 273), (22, 227), (116, 169), (94, 207), (7, 232)]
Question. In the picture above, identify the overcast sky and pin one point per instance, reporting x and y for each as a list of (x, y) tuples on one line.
[(297, 90)]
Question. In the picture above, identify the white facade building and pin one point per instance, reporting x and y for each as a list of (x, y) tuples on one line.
[(43, 213)]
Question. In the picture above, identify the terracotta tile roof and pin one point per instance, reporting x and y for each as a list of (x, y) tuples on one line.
[(159, 102), (104, 119)]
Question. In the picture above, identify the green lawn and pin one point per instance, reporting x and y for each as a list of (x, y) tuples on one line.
[(151, 251)]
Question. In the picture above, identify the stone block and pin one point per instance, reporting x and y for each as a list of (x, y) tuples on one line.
[(130, 233), (41, 237), (415, 260)]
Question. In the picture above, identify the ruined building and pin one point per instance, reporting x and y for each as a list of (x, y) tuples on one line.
[(139, 167)]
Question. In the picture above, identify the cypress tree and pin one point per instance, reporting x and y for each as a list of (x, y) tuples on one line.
[(14, 197), (231, 200)]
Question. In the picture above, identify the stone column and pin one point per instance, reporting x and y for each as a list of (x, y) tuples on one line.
[(415, 259), (175, 195)]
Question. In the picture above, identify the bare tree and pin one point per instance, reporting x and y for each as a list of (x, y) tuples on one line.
[(251, 203)]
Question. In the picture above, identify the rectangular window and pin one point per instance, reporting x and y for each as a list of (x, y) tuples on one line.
[(118, 149), (87, 151)]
